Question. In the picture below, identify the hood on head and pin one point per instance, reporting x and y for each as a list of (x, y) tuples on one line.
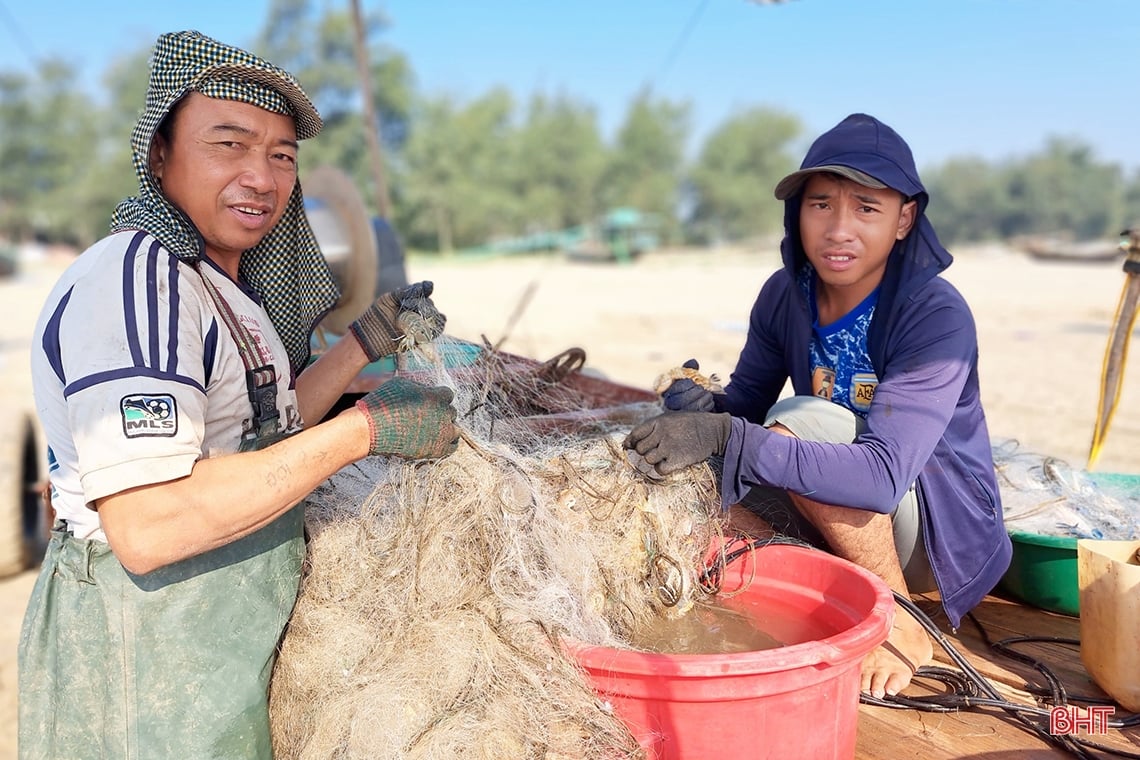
[(860, 148), (190, 61), (863, 148), (286, 268)]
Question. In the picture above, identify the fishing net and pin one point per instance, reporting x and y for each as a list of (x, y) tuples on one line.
[(1046, 495), (438, 598)]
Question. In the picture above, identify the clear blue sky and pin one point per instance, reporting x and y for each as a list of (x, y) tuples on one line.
[(956, 77)]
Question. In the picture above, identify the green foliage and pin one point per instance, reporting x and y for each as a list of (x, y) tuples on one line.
[(17, 148), (969, 200), (46, 132), (647, 163), (557, 158), (465, 173), (1061, 190), (456, 185), (1064, 188), (1130, 217), (111, 177), (737, 169), (317, 47)]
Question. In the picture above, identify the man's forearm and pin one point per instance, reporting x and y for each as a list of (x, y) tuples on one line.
[(228, 497), (323, 382)]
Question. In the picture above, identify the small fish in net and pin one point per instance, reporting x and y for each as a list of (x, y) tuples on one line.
[(1047, 496)]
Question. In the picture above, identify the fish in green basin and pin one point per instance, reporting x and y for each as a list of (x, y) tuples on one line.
[(1046, 496)]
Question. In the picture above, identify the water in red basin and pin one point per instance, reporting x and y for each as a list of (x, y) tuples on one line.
[(795, 701)]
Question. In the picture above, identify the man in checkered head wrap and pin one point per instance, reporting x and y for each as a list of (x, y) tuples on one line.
[(286, 266), (184, 434)]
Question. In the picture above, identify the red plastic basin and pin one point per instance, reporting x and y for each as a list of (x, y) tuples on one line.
[(800, 700)]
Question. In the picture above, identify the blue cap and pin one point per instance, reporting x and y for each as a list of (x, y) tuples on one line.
[(860, 148)]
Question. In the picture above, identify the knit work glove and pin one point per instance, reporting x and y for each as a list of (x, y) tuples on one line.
[(410, 420), (676, 440), (683, 394), (398, 321)]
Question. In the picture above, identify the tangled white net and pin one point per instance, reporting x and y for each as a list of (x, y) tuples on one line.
[(438, 596)]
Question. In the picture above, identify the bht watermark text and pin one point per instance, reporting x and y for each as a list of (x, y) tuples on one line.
[(1070, 719)]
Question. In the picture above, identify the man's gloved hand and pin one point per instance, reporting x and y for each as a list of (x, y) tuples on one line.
[(676, 440), (410, 420), (684, 395), (398, 320)]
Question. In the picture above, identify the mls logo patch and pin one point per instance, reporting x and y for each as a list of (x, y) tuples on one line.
[(149, 416)]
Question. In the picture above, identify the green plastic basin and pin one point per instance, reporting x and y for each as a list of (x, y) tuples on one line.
[(1043, 572)]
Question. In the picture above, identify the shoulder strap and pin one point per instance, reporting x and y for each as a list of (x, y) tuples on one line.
[(260, 379)]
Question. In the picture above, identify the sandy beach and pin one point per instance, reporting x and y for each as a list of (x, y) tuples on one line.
[(1042, 330)]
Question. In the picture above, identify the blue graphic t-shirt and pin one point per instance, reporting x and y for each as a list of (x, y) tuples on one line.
[(841, 369)]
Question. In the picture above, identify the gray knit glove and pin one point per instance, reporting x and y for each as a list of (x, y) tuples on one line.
[(410, 420), (676, 440), (398, 321)]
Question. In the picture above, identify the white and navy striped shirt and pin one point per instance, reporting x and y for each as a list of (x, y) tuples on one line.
[(136, 376)]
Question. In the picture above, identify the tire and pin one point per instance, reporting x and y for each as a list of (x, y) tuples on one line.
[(341, 225), (23, 531)]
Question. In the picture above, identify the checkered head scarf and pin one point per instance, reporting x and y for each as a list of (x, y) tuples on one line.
[(286, 268)]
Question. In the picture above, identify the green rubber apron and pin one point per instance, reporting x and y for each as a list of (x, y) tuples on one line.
[(172, 664)]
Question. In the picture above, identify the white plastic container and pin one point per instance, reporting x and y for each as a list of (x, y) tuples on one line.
[(1108, 573)]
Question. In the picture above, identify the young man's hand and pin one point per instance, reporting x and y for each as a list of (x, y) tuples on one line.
[(684, 395), (398, 320), (676, 440), (410, 420)]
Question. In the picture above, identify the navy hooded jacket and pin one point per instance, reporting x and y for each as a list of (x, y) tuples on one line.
[(925, 424)]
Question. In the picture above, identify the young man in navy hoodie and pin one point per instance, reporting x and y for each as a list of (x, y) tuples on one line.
[(882, 455)]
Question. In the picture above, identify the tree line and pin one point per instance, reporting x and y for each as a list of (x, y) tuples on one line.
[(462, 173)]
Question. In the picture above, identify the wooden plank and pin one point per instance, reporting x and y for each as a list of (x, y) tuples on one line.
[(1004, 619), (885, 734), (986, 733)]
